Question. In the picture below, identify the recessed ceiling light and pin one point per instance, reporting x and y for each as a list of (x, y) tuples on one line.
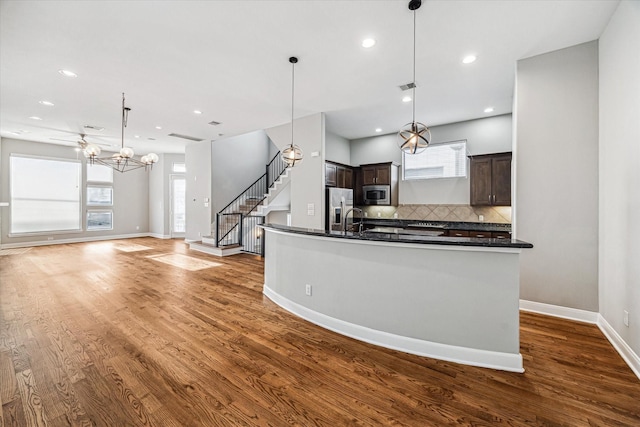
[(136, 136), (14, 133), (197, 112), (47, 103), (378, 130), (469, 59), (367, 43), (158, 127), (35, 118), (67, 73), (406, 99), (488, 110)]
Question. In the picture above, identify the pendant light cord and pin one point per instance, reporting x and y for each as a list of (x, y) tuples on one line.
[(293, 78), (414, 67)]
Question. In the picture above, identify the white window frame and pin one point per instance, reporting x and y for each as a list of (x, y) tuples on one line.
[(94, 211), (89, 203), (464, 162), (184, 167), (89, 166), (11, 191)]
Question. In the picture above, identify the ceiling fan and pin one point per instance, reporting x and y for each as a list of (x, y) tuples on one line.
[(82, 142)]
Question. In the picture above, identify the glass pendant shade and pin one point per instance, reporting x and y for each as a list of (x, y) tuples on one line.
[(414, 138), (292, 155), (92, 150), (126, 152)]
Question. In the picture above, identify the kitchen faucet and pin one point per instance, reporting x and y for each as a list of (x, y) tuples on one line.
[(344, 220)]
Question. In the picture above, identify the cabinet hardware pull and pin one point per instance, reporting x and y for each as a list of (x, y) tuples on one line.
[(494, 198)]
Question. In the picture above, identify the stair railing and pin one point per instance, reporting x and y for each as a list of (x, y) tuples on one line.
[(229, 221)]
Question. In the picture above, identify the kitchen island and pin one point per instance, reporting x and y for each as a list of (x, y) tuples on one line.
[(455, 299)]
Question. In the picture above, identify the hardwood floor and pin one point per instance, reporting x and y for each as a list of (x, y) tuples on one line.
[(112, 334)]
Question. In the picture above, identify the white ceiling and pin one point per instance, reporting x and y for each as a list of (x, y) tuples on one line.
[(229, 59)]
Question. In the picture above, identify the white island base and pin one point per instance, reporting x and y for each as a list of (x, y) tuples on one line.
[(455, 303)]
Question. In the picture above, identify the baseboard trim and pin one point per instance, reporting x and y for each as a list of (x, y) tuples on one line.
[(463, 355), (77, 240), (623, 349), (626, 352), (159, 236), (559, 311)]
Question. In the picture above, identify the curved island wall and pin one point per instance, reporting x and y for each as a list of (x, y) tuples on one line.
[(453, 301)]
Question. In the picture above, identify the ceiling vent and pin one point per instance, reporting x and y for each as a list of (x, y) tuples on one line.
[(190, 138), (96, 128), (408, 86), (214, 123)]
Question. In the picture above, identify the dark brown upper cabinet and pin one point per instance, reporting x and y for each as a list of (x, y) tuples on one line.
[(491, 180), (378, 174), (338, 175)]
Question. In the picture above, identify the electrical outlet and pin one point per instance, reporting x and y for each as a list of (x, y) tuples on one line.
[(625, 318), (307, 290)]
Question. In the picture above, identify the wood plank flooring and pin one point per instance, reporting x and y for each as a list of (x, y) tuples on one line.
[(103, 334)]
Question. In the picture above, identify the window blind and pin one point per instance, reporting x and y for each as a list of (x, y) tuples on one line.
[(443, 160)]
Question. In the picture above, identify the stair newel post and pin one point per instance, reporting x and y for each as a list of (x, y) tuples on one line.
[(240, 229), (217, 229)]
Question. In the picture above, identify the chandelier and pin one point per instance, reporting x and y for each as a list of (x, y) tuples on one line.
[(292, 154), (414, 137), (124, 160)]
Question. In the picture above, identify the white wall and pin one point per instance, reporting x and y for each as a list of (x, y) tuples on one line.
[(557, 176), (484, 136), (337, 148), (236, 162), (160, 195), (130, 196), (198, 160), (619, 269), (307, 177)]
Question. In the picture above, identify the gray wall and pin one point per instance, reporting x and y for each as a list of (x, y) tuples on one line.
[(130, 195), (619, 165), (307, 177), (160, 195), (236, 162), (198, 160), (337, 148), (556, 163), (487, 135)]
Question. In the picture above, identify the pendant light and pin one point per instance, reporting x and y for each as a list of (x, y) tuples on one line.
[(292, 154), (124, 160), (414, 137)]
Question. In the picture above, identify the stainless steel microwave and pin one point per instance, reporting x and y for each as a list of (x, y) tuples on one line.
[(377, 194)]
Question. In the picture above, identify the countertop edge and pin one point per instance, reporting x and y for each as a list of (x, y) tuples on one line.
[(423, 240)]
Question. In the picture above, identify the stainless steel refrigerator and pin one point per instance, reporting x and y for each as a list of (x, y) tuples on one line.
[(339, 201)]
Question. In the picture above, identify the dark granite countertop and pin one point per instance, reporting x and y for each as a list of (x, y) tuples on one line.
[(401, 237), (445, 225)]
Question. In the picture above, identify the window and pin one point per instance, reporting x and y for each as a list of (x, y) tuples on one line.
[(179, 168), (99, 220), (45, 194), (99, 173), (99, 196), (444, 160)]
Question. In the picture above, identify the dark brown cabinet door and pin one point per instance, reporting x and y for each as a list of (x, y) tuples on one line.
[(480, 234), (348, 178), (491, 180), (481, 182), (368, 175), (458, 233), (330, 173), (501, 180), (383, 175)]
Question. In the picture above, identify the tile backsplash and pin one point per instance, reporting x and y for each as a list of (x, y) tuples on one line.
[(455, 213)]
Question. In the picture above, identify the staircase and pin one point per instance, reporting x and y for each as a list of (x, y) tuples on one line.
[(236, 228)]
